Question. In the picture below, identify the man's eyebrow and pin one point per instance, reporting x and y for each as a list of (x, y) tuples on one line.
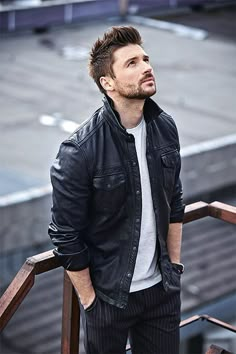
[(130, 59), (145, 56)]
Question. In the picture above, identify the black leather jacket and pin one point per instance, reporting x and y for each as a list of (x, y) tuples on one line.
[(96, 213)]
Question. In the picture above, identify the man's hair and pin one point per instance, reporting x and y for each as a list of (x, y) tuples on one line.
[(101, 55)]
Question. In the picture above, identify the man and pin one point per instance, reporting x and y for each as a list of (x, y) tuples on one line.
[(117, 207)]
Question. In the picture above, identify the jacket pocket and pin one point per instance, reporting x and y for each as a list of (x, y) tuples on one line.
[(170, 161), (109, 192), (175, 281), (173, 278)]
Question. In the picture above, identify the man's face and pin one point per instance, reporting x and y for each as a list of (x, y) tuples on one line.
[(133, 73)]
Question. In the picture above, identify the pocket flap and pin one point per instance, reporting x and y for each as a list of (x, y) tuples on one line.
[(109, 182), (170, 159)]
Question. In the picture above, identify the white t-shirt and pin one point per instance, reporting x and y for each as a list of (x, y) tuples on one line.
[(146, 271)]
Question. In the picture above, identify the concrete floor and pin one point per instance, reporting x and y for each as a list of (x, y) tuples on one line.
[(196, 84)]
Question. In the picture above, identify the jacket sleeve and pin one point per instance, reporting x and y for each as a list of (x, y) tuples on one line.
[(177, 205), (71, 194)]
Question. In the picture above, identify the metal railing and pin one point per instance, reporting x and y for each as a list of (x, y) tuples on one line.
[(44, 262)]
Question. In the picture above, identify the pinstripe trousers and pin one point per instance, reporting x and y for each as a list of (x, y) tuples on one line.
[(150, 320)]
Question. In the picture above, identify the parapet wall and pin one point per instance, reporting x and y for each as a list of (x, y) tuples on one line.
[(205, 167), (209, 166)]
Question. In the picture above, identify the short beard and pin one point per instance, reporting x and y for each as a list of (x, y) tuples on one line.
[(138, 95), (135, 93)]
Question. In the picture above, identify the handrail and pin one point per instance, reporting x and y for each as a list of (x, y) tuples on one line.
[(195, 211), (43, 262), (23, 282), (210, 319), (214, 349), (15, 293), (223, 211)]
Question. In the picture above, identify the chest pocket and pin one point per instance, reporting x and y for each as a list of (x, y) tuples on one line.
[(170, 161), (109, 192)]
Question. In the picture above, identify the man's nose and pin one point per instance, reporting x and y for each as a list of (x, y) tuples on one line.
[(147, 67)]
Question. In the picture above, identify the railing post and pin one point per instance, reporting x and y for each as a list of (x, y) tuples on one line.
[(70, 319)]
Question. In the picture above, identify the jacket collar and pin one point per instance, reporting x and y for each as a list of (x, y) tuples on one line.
[(151, 111)]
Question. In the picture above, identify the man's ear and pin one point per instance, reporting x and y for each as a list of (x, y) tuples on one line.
[(107, 83)]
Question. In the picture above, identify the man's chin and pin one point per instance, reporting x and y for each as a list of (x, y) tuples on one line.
[(141, 95), (149, 93), (150, 89), (153, 92)]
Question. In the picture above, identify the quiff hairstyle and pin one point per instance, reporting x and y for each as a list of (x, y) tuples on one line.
[(101, 54)]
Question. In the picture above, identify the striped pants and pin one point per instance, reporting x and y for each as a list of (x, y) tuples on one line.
[(150, 320)]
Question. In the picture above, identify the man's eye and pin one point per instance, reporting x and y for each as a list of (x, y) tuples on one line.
[(146, 60), (131, 63)]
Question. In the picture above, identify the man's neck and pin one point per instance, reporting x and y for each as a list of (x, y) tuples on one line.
[(130, 111)]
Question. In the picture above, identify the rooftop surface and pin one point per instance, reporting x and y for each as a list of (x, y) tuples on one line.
[(45, 75)]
